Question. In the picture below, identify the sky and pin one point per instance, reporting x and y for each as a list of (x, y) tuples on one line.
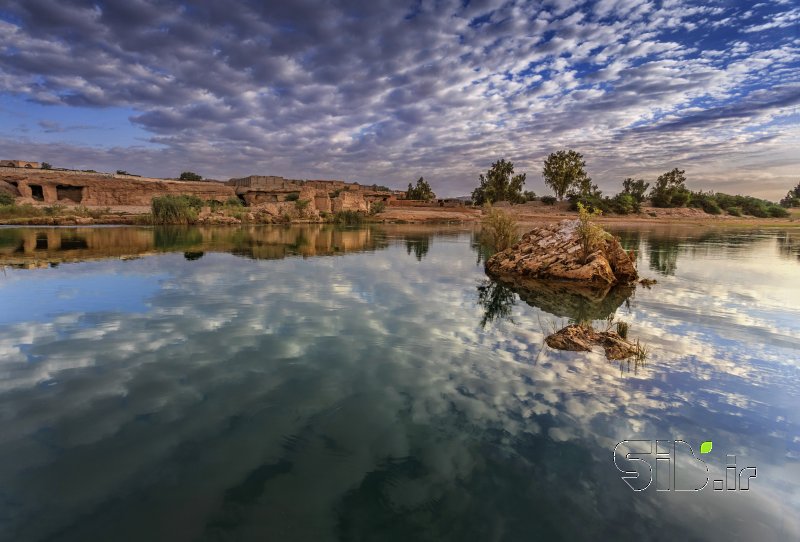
[(387, 91)]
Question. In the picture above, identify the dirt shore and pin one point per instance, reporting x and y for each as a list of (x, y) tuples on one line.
[(527, 215)]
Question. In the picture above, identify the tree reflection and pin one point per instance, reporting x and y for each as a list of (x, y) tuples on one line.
[(789, 245), (663, 255), (482, 250), (419, 245), (497, 301)]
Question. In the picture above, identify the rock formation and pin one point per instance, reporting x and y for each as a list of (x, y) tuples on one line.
[(554, 253), (581, 338)]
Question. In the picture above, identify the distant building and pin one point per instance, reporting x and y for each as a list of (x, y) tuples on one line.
[(20, 163)]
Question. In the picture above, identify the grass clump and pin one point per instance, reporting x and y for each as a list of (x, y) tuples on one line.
[(6, 199), (181, 209), (591, 235), (20, 211), (499, 229)]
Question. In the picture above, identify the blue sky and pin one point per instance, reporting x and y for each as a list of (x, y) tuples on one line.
[(386, 91)]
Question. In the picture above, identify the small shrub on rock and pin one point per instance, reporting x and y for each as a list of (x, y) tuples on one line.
[(499, 230)]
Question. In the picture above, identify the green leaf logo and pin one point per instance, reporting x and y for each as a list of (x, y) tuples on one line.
[(706, 447)]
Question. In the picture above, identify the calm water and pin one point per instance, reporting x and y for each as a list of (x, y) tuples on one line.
[(315, 384)]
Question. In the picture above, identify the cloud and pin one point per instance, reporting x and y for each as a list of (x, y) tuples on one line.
[(385, 91)]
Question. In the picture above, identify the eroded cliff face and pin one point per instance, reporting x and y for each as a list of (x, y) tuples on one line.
[(554, 253), (269, 199), (79, 188)]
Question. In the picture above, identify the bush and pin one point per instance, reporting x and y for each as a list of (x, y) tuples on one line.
[(234, 202), (47, 165), (706, 202), (302, 205), (499, 230), (735, 211), (6, 199), (175, 209), (377, 207), (348, 218), (590, 201), (776, 211), (680, 198), (190, 176), (548, 200), (53, 210), (294, 196), (625, 204), (591, 235), (756, 208)]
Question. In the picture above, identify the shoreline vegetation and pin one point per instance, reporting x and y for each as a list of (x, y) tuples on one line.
[(499, 192)]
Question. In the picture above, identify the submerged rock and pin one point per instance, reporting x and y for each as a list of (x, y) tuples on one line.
[(581, 338), (554, 253)]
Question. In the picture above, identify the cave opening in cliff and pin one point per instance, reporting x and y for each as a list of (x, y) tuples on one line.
[(37, 192), (71, 193)]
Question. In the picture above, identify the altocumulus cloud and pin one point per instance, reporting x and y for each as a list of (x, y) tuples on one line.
[(384, 91)]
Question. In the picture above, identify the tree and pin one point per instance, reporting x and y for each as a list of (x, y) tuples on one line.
[(792, 198), (500, 184), (670, 189), (421, 191), (563, 170), (636, 189), (47, 165), (190, 176)]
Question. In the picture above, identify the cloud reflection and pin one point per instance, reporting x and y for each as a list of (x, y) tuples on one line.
[(330, 398)]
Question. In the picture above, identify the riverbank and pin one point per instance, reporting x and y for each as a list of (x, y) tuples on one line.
[(527, 216)]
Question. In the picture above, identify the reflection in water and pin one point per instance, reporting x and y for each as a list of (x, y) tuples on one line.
[(579, 303), (496, 299), (419, 245), (192, 256), (358, 398), (664, 255), (789, 244), (38, 247)]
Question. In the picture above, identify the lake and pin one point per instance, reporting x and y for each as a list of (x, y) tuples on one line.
[(314, 383)]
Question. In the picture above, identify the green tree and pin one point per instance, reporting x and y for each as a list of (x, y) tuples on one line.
[(670, 189), (422, 190), (636, 188), (47, 165), (500, 184), (190, 176), (564, 170), (792, 198)]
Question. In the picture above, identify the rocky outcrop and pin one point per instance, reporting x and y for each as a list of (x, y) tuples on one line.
[(581, 338), (349, 201), (554, 253)]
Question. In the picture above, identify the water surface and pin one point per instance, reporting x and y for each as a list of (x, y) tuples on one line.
[(321, 384)]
